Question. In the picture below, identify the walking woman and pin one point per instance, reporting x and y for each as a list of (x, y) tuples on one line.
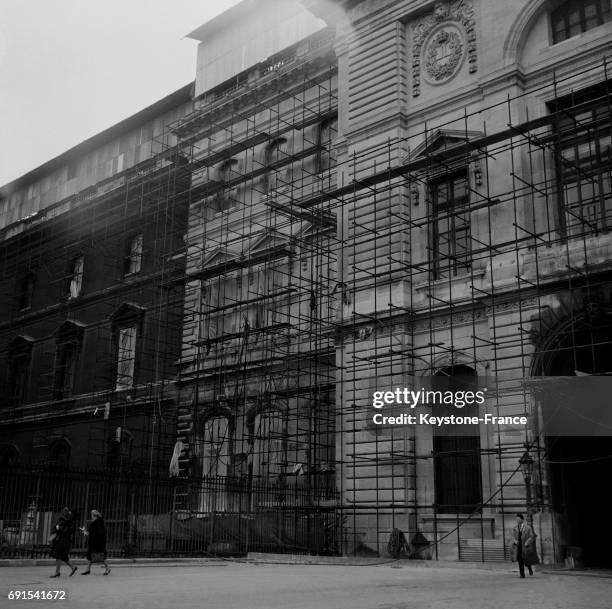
[(61, 541), (96, 542)]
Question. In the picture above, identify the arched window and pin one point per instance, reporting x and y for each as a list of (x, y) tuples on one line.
[(227, 171), (457, 467), (226, 198), (215, 454), (275, 153), (75, 280), (59, 454), (119, 455), (268, 435), (9, 456)]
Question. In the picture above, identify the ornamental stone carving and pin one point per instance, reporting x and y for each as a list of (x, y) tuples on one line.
[(440, 42), (442, 55)]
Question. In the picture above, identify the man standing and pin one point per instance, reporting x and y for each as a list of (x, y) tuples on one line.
[(523, 545)]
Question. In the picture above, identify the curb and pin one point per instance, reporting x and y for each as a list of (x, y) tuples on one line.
[(503, 567), (141, 562), (291, 559), (305, 559), (579, 572)]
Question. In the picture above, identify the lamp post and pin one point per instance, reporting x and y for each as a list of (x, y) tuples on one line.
[(526, 462)]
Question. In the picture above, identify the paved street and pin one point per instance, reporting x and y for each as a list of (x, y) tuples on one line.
[(264, 586)]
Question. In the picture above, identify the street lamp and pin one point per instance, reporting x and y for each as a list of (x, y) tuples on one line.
[(526, 462)]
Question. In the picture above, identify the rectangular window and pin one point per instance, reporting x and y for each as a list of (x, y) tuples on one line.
[(18, 375), (577, 16), (458, 485), (451, 234), (126, 357), (583, 159), (73, 170), (65, 370), (26, 291), (327, 136), (133, 261), (457, 456), (76, 277)]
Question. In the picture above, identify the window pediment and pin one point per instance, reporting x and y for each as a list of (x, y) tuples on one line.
[(21, 344), (442, 140), (69, 330), (267, 241), (219, 255), (127, 312)]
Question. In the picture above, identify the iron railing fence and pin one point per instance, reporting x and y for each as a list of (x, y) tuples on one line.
[(229, 516), (160, 516)]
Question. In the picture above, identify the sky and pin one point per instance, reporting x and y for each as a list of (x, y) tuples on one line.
[(71, 68)]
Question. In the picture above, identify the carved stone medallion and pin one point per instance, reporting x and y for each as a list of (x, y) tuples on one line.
[(441, 40), (443, 54)]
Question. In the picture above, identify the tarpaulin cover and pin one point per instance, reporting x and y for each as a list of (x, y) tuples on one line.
[(270, 530)]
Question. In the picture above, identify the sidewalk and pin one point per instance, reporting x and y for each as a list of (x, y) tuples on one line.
[(257, 557), (143, 562), (299, 559)]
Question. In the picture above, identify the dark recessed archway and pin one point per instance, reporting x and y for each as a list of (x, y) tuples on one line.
[(578, 467)]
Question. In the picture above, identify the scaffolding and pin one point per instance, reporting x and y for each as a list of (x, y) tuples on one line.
[(292, 278)]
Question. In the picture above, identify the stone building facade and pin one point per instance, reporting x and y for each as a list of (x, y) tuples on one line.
[(90, 321), (380, 194), (479, 251), (257, 372)]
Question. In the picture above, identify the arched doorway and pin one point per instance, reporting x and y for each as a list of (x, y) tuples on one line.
[(578, 466)]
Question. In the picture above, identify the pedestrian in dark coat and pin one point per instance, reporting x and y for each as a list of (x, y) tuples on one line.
[(96, 542), (523, 545), (61, 541)]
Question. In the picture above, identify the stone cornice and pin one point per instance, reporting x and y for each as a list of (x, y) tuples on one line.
[(86, 299), (160, 393), (279, 77), (97, 194)]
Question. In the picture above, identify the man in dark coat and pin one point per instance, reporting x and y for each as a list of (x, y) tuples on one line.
[(96, 542), (61, 541), (523, 545)]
